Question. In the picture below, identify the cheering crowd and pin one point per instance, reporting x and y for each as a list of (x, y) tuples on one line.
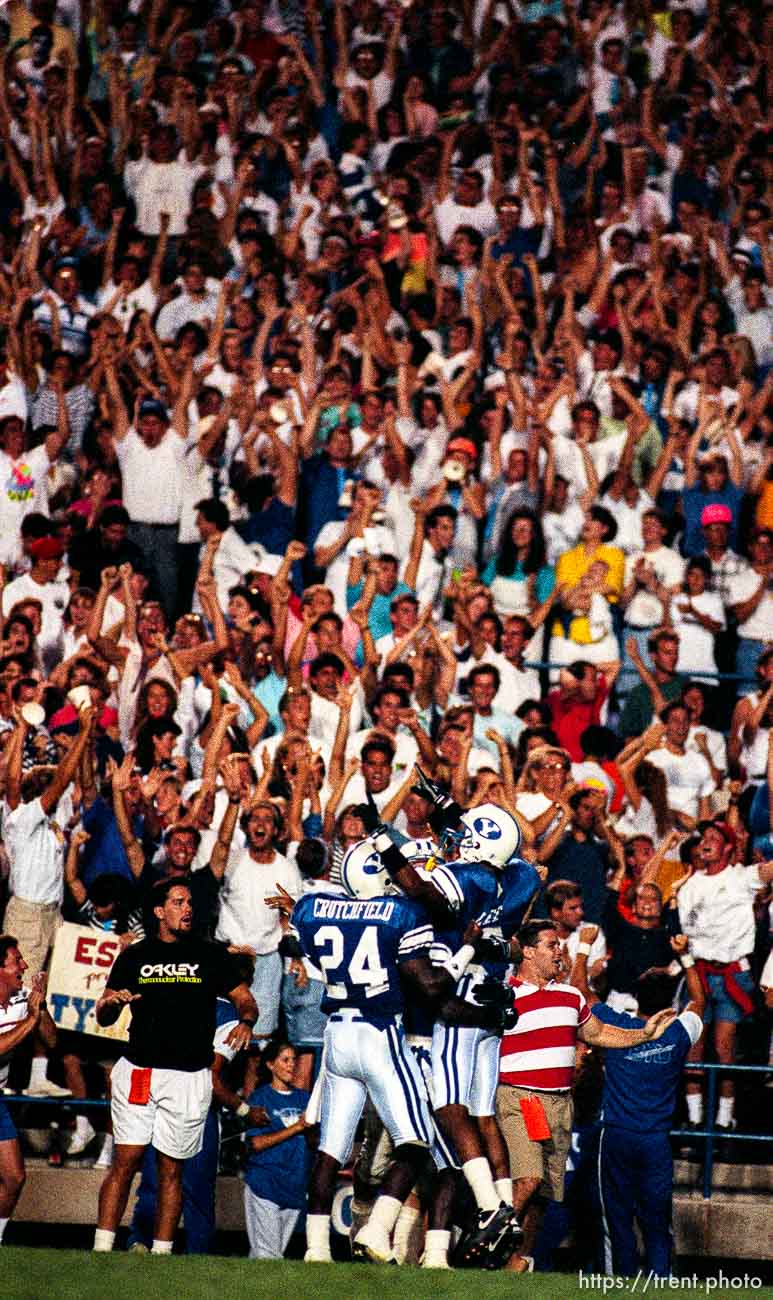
[(387, 387)]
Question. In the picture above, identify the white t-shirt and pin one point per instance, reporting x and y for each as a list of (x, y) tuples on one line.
[(716, 912), (688, 778), (696, 643), (759, 625), (23, 490), (245, 918), (53, 596), (160, 187), (645, 610), (35, 846), (450, 214), (152, 477)]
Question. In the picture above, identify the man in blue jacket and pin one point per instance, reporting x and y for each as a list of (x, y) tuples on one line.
[(635, 1165)]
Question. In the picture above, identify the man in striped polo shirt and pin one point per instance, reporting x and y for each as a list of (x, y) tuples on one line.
[(536, 1070)]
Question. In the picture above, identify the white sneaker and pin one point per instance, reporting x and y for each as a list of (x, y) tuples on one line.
[(317, 1257), (82, 1137), (105, 1158), (372, 1243), (45, 1088)]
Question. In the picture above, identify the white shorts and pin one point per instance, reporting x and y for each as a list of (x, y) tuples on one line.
[(465, 1068), (360, 1058), (173, 1119)]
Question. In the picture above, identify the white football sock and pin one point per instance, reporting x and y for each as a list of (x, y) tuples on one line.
[(406, 1224), (504, 1188), (436, 1245), (318, 1232), (725, 1111), (161, 1247), (3, 1226), (695, 1107), (39, 1069), (103, 1239), (478, 1175), (385, 1213)]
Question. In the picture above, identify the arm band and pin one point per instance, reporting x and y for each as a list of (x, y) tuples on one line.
[(457, 965), (583, 948)]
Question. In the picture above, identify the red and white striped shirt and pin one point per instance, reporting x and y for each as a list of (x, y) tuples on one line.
[(10, 1016), (539, 1052)]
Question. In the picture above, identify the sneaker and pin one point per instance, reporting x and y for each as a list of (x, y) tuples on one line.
[(372, 1243), (45, 1088), (492, 1241), (81, 1137), (690, 1146), (726, 1150), (317, 1257), (105, 1158)]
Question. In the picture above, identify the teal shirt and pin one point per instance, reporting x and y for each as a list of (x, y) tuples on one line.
[(544, 583)]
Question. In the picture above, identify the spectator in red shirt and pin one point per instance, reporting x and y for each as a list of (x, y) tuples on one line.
[(536, 1069), (579, 701)]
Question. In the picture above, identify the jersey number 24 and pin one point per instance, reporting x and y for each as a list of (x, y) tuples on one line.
[(364, 967)]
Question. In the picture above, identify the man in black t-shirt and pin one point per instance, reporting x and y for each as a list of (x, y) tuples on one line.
[(162, 1087), (638, 945)]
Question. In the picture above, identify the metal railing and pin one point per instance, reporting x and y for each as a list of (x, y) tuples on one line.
[(709, 1132), (713, 1068)]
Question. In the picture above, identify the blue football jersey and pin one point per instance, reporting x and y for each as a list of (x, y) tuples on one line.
[(520, 881), (359, 945), (480, 902)]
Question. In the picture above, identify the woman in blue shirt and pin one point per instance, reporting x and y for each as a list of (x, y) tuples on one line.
[(518, 577), (278, 1165)]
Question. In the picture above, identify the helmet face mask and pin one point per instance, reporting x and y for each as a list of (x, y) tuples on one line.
[(419, 852), (490, 835)]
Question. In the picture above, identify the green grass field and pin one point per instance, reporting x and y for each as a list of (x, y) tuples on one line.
[(32, 1274)]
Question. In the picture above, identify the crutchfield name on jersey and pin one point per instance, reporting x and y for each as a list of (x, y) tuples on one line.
[(359, 945)]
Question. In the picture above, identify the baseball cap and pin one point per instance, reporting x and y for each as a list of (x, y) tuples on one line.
[(150, 406), (47, 548), (465, 445), (716, 514)]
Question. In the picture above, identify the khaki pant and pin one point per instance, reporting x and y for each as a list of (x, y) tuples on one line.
[(34, 925), (544, 1160)]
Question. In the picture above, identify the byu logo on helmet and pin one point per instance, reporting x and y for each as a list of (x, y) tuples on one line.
[(487, 828), (372, 865), (491, 834)]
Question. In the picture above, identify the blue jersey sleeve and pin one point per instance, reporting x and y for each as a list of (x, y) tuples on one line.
[(620, 1019), (519, 884)]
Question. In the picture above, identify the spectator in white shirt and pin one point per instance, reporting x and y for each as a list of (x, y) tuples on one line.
[(688, 775), (716, 912), (197, 302), (151, 454), (35, 815), (233, 558), (246, 922), (161, 183), (41, 584), (563, 900), (428, 564)]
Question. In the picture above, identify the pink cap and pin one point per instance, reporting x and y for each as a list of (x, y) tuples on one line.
[(716, 514)]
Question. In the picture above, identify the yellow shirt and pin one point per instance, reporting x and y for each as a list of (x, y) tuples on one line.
[(572, 566), (22, 23)]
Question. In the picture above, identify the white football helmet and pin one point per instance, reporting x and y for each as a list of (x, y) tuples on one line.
[(491, 834), (420, 851), (363, 874)]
